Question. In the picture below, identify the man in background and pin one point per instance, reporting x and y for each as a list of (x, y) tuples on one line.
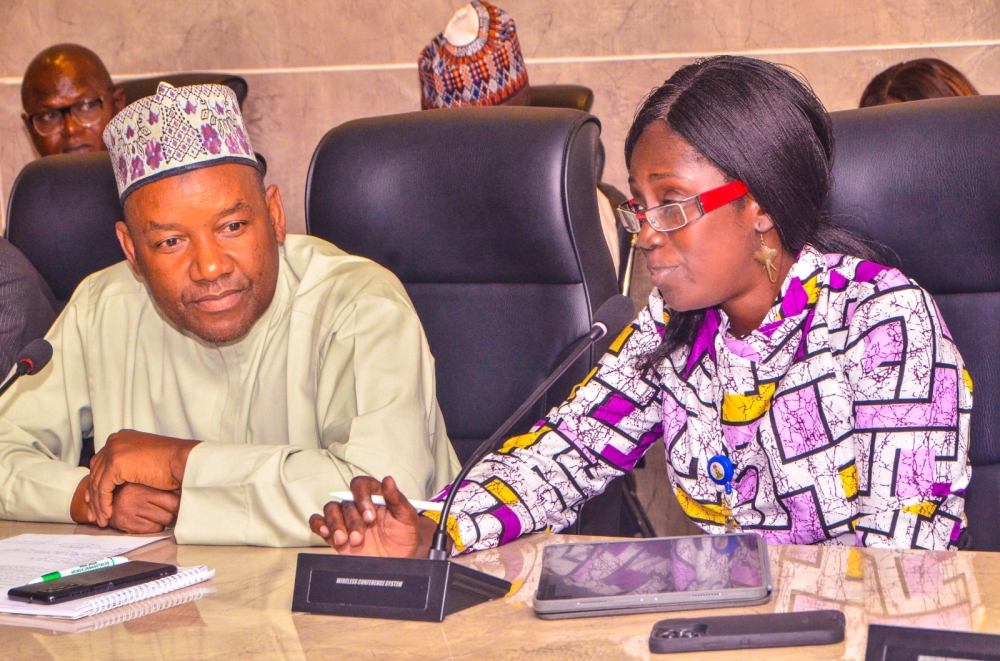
[(68, 99)]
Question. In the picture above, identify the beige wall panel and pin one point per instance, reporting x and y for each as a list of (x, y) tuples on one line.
[(570, 27), (288, 114), (838, 78), (165, 35), (171, 35)]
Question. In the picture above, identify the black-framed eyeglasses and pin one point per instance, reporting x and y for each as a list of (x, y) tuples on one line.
[(85, 113)]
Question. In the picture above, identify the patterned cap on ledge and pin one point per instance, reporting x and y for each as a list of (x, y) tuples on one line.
[(485, 71), (177, 130)]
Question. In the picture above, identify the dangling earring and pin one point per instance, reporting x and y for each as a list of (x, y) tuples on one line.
[(765, 256)]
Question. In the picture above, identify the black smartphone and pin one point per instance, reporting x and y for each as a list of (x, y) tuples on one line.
[(733, 632), (90, 583)]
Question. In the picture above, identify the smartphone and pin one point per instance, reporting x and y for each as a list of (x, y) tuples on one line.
[(90, 583), (732, 632)]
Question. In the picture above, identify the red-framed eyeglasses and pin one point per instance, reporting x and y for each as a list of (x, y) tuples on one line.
[(675, 215)]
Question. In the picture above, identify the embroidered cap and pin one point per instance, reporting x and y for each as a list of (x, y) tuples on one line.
[(484, 70), (174, 131)]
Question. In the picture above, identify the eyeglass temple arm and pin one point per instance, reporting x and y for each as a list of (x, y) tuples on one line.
[(721, 196)]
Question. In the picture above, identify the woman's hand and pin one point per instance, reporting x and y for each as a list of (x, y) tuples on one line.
[(363, 528)]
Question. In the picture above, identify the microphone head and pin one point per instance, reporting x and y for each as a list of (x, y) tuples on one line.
[(34, 357), (615, 314)]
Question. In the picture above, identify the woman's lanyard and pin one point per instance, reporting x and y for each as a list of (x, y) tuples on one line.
[(720, 471)]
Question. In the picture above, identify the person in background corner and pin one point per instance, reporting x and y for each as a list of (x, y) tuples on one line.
[(477, 61), (926, 78), (824, 386), (68, 100)]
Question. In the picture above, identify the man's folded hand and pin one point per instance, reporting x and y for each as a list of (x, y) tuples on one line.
[(141, 509), (141, 459)]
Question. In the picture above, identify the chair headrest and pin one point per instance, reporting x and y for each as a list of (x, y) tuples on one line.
[(62, 214), (500, 195), (137, 88), (562, 96), (921, 178)]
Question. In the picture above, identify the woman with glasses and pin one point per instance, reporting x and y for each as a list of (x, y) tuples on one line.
[(804, 391)]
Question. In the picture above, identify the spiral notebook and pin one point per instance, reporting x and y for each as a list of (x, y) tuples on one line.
[(27, 556), (113, 617), (74, 610)]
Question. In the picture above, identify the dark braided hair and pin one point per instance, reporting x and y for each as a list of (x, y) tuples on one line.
[(756, 122)]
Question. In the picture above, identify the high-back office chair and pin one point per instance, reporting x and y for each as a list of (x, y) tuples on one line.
[(922, 178), (577, 97), (137, 88), (62, 214), (582, 98), (489, 218)]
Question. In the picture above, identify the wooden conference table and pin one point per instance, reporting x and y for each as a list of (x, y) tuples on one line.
[(245, 612)]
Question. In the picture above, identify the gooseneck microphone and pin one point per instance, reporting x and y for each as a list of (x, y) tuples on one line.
[(612, 317), (31, 360), (428, 590)]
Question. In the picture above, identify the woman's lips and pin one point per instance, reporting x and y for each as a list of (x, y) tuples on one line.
[(659, 275)]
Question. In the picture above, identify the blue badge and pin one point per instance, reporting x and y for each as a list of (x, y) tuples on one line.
[(720, 471), (724, 544)]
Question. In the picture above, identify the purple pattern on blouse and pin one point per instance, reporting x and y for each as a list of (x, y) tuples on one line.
[(862, 439), (704, 342)]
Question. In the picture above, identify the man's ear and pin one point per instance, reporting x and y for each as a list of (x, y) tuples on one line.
[(128, 247), (272, 197), (118, 100)]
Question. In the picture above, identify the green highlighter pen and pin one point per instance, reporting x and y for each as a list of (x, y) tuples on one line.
[(99, 564)]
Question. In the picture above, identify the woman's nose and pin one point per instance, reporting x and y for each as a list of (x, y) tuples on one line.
[(649, 238)]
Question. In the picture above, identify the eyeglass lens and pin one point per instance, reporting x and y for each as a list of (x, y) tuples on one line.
[(662, 219), (85, 113)]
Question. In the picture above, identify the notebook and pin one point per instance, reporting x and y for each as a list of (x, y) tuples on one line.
[(25, 557), (74, 610), (110, 618)]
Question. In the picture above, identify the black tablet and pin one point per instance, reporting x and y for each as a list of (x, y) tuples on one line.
[(647, 575)]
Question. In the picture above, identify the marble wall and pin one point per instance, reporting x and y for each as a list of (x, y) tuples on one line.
[(313, 64)]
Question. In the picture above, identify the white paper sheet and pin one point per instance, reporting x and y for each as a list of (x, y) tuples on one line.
[(26, 557)]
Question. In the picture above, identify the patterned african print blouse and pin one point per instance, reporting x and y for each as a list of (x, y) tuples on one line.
[(845, 415)]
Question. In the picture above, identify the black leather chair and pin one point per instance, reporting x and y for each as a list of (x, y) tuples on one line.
[(61, 214), (582, 98), (922, 179), (489, 218), (137, 88), (577, 97)]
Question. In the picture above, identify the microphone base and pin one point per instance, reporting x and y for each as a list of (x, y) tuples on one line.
[(389, 588)]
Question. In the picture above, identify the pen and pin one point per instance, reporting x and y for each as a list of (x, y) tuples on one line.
[(99, 564), (426, 506)]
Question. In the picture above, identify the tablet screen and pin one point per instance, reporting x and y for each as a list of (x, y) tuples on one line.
[(651, 566)]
